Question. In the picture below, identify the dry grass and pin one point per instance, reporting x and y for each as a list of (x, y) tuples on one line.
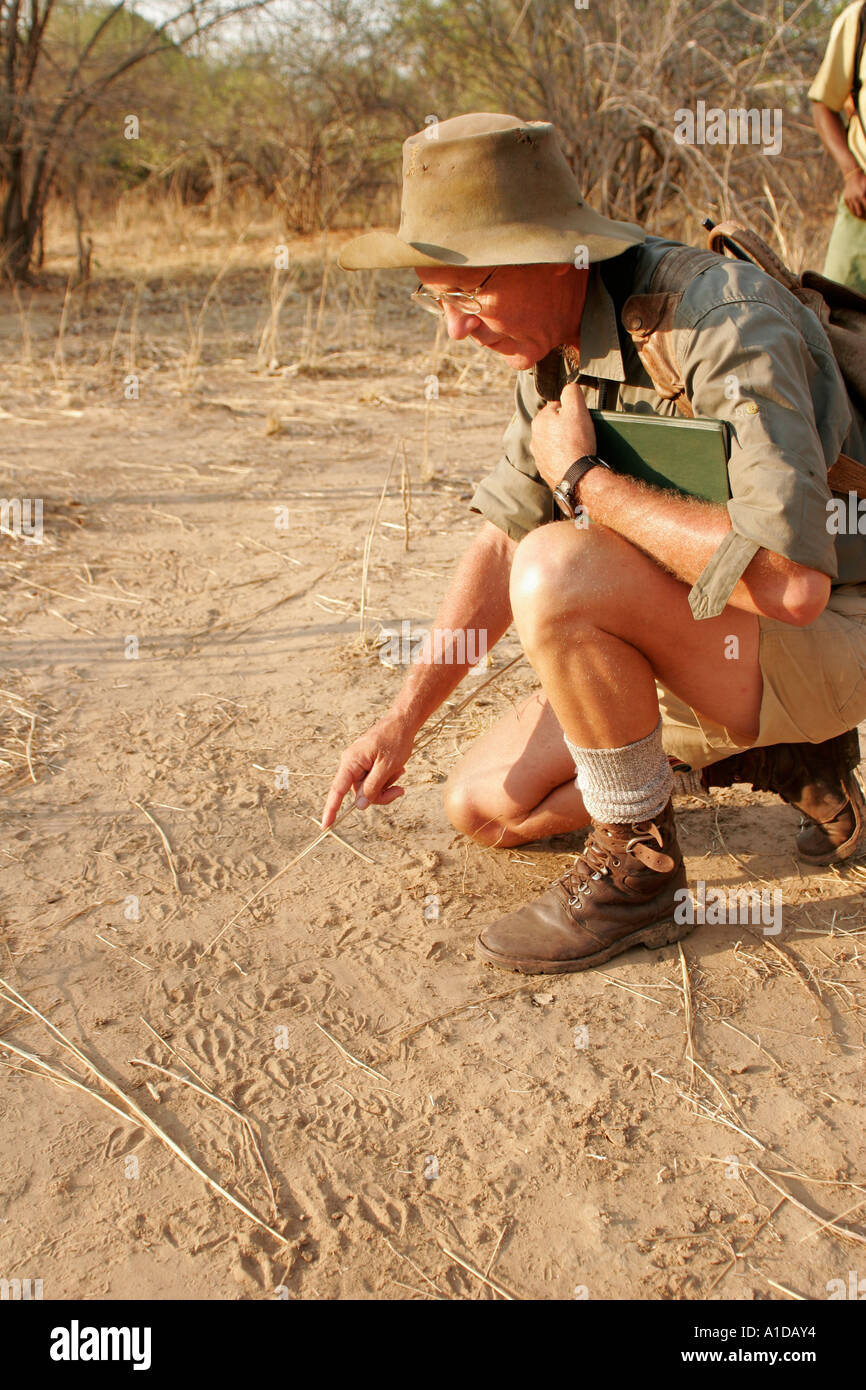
[(27, 745)]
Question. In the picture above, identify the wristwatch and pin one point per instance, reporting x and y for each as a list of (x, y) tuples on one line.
[(565, 491)]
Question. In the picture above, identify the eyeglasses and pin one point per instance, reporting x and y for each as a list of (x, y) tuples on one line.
[(463, 300)]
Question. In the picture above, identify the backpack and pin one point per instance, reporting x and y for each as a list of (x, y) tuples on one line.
[(649, 319)]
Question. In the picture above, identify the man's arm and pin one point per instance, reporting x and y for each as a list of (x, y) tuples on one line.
[(683, 533), (834, 138), (477, 602)]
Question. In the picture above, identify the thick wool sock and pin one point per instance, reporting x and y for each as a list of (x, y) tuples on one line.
[(622, 785)]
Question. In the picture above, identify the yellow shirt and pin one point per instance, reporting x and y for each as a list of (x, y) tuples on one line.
[(833, 84)]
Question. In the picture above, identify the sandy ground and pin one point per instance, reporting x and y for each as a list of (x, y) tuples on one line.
[(425, 1121)]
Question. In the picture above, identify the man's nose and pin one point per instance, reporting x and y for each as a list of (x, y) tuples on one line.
[(458, 323)]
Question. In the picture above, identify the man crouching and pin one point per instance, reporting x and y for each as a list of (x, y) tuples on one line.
[(629, 621)]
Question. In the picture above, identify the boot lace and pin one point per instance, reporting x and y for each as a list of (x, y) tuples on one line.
[(602, 853)]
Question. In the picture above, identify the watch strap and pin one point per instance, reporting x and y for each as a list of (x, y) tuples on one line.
[(566, 490)]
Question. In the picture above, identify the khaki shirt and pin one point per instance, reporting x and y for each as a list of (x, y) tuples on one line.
[(751, 355), (832, 86)]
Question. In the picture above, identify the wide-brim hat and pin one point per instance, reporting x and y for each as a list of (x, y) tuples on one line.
[(485, 190)]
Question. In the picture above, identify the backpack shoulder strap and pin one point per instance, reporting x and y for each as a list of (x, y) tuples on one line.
[(679, 266), (649, 319), (746, 245)]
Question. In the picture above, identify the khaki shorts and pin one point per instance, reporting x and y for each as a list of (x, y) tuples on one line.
[(814, 686)]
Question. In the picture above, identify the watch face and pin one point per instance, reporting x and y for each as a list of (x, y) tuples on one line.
[(563, 497)]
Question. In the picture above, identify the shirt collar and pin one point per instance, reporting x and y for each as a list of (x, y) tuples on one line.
[(600, 354)]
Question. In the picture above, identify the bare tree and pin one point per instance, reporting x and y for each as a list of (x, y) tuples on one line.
[(40, 112)]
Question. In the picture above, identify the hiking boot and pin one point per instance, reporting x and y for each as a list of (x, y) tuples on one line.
[(819, 779), (620, 892)]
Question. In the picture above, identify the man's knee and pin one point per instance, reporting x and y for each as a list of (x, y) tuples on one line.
[(556, 569), (466, 811)]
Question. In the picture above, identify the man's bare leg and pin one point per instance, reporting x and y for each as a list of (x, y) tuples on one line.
[(619, 621), (599, 620), (516, 783)]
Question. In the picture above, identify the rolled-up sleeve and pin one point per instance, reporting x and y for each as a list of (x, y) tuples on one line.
[(514, 496), (834, 79), (746, 362)]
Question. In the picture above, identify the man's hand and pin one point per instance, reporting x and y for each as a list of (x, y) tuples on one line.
[(370, 766), (854, 193), (834, 138), (561, 434)]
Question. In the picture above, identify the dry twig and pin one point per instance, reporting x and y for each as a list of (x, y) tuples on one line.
[(226, 1105), (452, 713), (265, 886), (355, 1061), (368, 546), (134, 1111), (491, 1283), (166, 846), (688, 1013)]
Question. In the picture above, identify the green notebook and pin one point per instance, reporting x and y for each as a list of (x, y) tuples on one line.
[(689, 455)]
